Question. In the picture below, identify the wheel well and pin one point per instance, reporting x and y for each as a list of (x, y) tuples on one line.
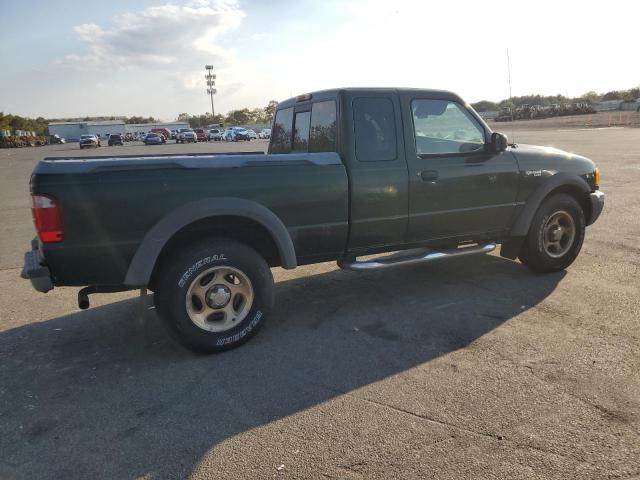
[(241, 229), (578, 195)]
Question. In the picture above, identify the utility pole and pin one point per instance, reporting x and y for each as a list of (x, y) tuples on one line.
[(211, 85)]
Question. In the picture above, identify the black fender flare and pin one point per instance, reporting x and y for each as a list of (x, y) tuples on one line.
[(521, 225), (144, 260)]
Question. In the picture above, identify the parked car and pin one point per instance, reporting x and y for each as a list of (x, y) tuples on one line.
[(56, 139), (165, 132), (418, 168), (201, 135), (186, 135), (215, 134), (115, 139), (154, 139), (265, 133), (89, 140), (174, 134), (228, 135), (251, 134), (236, 134)]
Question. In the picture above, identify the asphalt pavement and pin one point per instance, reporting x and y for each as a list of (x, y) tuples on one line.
[(474, 368)]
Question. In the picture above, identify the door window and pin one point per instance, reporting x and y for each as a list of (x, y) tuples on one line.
[(445, 127)]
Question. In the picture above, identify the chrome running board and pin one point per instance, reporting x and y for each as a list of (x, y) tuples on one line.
[(413, 256)]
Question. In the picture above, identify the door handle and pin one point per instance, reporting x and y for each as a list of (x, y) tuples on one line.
[(428, 175)]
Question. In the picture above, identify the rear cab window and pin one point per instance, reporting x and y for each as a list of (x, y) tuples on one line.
[(301, 132), (324, 127), (311, 130), (375, 129), (281, 133)]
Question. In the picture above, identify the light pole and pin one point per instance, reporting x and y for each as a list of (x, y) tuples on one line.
[(211, 84)]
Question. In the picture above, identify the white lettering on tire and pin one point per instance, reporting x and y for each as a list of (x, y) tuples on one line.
[(242, 333), (196, 266)]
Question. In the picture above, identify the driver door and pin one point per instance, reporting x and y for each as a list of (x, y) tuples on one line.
[(458, 187)]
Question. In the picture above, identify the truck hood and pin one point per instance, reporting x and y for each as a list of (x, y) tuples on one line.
[(551, 160)]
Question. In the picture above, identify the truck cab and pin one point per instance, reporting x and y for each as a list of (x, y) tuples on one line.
[(423, 167)]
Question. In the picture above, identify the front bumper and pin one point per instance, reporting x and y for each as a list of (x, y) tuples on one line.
[(35, 270), (597, 204)]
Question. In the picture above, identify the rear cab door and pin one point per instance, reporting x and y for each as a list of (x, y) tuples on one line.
[(459, 188), (374, 153)]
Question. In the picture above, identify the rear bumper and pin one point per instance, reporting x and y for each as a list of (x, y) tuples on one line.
[(35, 270), (597, 204)]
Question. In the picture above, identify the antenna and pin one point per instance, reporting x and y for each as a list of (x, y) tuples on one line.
[(513, 133)]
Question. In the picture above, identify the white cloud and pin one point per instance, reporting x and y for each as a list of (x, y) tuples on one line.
[(261, 36), (160, 35)]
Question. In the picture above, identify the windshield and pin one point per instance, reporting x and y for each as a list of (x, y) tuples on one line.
[(86, 137)]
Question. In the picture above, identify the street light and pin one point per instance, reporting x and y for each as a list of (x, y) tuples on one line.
[(211, 83)]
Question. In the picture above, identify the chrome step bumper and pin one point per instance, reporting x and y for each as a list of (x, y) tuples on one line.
[(413, 256)]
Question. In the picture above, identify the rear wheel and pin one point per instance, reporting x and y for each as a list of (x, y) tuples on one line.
[(555, 236), (215, 295)]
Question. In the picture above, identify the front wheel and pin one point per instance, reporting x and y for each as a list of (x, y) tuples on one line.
[(215, 295), (555, 236)]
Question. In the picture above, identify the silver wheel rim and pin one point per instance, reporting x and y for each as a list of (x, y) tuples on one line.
[(219, 299), (558, 234)]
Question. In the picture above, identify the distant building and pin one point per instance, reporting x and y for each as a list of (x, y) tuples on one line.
[(71, 131)]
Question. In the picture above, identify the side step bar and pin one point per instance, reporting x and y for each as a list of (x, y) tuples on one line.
[(413, 256)]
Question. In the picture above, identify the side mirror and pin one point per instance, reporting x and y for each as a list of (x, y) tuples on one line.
[(499, 142)]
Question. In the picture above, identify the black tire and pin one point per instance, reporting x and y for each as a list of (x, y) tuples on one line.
[(81, 147), (185, 268), (534, 254)]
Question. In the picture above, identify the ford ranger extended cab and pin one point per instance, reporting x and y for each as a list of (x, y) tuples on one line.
[(348, 173)]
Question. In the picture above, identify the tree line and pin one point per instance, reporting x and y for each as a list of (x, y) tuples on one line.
[(589, 97), (242, 116), (40, 125)]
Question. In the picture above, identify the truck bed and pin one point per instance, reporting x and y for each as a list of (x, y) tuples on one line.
[(109, 203)]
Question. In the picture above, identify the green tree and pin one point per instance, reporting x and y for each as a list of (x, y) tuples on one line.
[(591, 96), (238, 117), (270, 110), (485, 106), (613, 95), (136, 119), (258, 115)]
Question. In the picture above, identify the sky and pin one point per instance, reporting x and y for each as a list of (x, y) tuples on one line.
[(83, 58)]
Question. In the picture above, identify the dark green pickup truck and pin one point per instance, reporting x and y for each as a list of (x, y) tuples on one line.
[(349, 173)]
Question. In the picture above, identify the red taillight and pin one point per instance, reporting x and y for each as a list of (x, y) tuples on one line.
[(46, 216)]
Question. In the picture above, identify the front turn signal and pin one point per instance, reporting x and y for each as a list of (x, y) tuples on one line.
[(596, 178)]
